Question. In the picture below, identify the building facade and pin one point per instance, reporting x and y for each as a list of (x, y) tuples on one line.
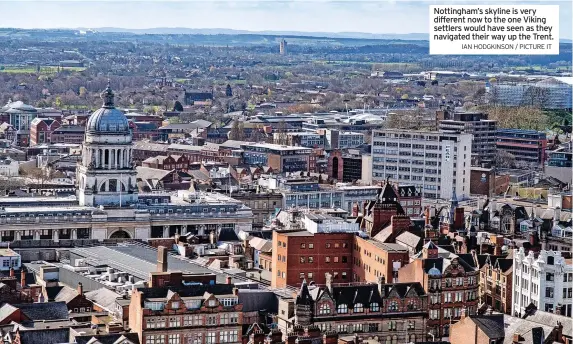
[(527, 146), (542, 279), (436, 163), (483, 133), (202, 314), (280, 158), (393, 313), (495, 283)]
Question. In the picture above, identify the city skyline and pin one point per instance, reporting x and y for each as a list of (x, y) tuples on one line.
[(372, 17)]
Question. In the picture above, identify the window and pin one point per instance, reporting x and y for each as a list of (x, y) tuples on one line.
[(311, 259), (344, 259), (174, 339), (392, 325), (310, 275), (374, 307), (228, 336), (549, 276), (211, 338), (327, 259), (342, 308), (393, 306), (174, 321), (228, 302), (302, 260), (434, 314), (447, 297), (324, 309), (212, 303), (549, 292), (411, 325), (302, 245), (311, 246), (336, 259), (301, 275), (358, 308), (327, 245), (211, 320), (343, 275), (155, 339)]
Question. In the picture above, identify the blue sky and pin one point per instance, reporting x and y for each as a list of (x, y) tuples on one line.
[(372, 16)]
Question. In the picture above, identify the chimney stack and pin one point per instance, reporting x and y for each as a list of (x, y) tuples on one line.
[(229, 280), (80, 289), (12, 272), (162, 259), (23, 278)]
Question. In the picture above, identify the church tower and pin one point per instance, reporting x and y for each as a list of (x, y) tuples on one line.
[(106, 175)]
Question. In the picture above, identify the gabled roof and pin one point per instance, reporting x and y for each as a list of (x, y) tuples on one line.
[(103, 297), (6, 310), (45, 336), (44, 311), (409, 239), (491, 325), (66, 295)]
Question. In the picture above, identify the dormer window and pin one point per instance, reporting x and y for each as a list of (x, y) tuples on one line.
[(211, 303), (358, 308), (175, 305), (154, 306), (374, 307), (324, 309), (342, 308), (393, 306)]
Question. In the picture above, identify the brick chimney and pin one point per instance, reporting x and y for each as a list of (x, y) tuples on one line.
[(12, 274), (516, 338), (22, 278), (399, 223), (162, 259), (328, 278), (80, 288), (459, 221), (427, 216)]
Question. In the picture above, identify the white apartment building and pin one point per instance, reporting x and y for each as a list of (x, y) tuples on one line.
[(544, 279), (437, 163)]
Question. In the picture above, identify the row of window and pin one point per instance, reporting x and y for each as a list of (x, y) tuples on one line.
[(195, 338), (192, 320)]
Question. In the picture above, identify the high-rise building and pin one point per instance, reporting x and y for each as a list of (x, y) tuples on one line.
[(482, 129), (436, 163), (527, 146), (544, 279), (283, 47)]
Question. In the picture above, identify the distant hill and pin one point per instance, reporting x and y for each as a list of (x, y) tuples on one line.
[(188, 31)]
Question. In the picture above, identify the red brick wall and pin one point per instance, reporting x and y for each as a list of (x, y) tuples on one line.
[(371, 261)]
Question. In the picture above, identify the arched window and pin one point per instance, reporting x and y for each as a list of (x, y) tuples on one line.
[(388, 340), (324, 309), (394, 339), (342, 308), (412, 338), (358, 308), (374, 307), (102, 187)]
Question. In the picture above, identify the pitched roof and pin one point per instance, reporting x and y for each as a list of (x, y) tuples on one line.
[(45, 336), (66, 295), (44, 311), (6, 310), (547, 318), (409, 239), (254, 299), (103, 297), (491, 325), (112, 338)]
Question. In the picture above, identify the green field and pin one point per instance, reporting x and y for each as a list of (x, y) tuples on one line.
[(33, 69)]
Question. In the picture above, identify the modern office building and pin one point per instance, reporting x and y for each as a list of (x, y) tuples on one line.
[(543, 279), (550, 93), (279, 158), (436, 163), (527, 146), (482, 129)]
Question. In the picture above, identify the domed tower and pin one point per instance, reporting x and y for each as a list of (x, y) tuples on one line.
[(106, 175)]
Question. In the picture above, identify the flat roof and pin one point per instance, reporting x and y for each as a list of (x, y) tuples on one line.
[(140, 261)]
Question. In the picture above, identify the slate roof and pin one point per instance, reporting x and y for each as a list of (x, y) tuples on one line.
[(253, 300), (103, 297), (45, 336), (526, 329), (44, 311), (187, 291), (365, 294), (52, 292), (491, 325), (547, 318), (66, 295), (409, 239)]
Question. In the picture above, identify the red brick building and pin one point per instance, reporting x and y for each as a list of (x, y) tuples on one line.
[(168, 163), (41, 130), (393, 313), (451, 282)]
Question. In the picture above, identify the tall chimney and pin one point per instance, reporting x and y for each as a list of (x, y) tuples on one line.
[(80, 289), (23, 278), (162, 259), (12, 272), (229, 280)]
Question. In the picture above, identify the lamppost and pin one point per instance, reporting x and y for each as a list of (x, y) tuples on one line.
[(433, 337)]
